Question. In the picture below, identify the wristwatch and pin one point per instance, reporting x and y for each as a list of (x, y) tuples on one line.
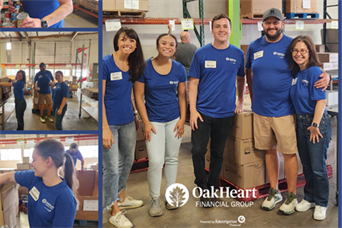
[(43, 23), (314, 124), (135, 112)]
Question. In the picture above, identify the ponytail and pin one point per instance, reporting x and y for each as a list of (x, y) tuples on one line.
[(70, 174)]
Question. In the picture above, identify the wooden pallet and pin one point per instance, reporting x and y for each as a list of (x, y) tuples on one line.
[(121, 13), (251, 16), (262, 190), (302, 15)]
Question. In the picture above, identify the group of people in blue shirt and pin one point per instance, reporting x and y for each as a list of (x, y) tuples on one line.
[(288, 101), (43, 14)]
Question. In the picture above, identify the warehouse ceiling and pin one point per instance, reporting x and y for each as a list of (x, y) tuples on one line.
[(22, 36), (28, 136)]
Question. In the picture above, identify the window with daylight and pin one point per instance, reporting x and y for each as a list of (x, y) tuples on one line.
[(10, 154), (28, 153)]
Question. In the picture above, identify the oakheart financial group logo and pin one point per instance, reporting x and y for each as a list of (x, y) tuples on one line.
[(177, 195)]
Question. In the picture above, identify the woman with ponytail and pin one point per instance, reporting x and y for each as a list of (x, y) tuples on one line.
[(51, 200)]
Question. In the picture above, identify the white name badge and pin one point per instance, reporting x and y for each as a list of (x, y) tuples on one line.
[(294, 81), (34, 193), (115, 76), (258, 54), (210, 64)]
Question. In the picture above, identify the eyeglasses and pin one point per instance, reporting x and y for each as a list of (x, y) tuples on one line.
[(275, 23), (302, 51)]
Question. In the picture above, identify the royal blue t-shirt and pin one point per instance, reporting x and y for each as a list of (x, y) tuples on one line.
[(216, 70), (44, 79), (161, 91), (304, 95), (75, 156), (60, 90), (18, 90), (47, 206), (271, 77), (117, 99), (42, 8)]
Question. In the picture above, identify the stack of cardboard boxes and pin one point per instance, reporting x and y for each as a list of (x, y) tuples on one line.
[(35, 101), (25, 165), (125, 6), (140, 147), (5, 91)]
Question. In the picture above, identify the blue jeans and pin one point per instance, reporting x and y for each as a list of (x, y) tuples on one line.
[(163, 146), (218, 129), (313, 158), (58, 118), (20, 107), (117, 162)]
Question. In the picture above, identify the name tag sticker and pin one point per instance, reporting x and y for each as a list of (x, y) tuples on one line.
[(258, 54), (210, 64), (116, 76), (34, 193), (294, 81)]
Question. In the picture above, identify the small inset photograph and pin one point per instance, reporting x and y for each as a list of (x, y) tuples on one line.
[(48, 180), (46, 14), (49, 81)]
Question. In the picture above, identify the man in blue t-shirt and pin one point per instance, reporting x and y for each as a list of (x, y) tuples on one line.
[(43, 83), (75, 154), (269, 80), (212, 94), (43, 14)]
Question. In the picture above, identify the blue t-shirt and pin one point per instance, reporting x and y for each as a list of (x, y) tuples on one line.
[(18, 90), (44, 79), (271, 77), (161, 91), (42, 8), (75, 156), (304, 95), (60, 90), (117, 98), (216, 70), (47, 206)]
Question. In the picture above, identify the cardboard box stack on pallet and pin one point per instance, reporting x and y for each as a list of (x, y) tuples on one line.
[(9, 205), (5, 91), (87, 198), (125, 6), (256, 8), (35, 101), (25, 165), (300, 6)]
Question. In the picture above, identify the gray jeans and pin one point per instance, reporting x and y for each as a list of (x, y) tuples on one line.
[(117, 162)]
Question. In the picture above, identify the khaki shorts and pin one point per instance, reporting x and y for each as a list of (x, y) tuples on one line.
[(272, 131), (47, 97)]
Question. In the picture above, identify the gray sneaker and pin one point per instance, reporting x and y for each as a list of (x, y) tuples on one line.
[(290, 204), (272, 199), (155, 209)]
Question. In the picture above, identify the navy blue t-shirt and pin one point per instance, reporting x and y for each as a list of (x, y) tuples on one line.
[(303, 93), (41, 8), (161, 91), (44, 79), (271, 77), (216, 70), (60, 90), (18, 90), (47, 206), (117, 98), (75, 156)]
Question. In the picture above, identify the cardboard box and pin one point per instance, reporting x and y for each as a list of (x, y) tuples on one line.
[(243, 151), (320, 47), (90, 4), (9, 203), (140, 150), (245, 176), (332, 98), (140, 132), (330, 66), (242, 127), (257, 7), (328, 57), (88, 190), (119, 5), (281, 169), (26, 159), (23, 166), (296, 6)]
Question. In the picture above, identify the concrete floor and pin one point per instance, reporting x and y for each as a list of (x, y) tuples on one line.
[(191, 216), (80, 19), (71, 120)]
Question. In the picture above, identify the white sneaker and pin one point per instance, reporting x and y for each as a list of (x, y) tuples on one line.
[(271, 200), (289, 205), (304, 206), (320, 213), (120, 221), (130, 203)]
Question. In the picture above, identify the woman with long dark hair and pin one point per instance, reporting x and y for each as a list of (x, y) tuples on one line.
[(51, 198), (20, 103), (59, 98), (120, 70), (163, 85), (313, 125)]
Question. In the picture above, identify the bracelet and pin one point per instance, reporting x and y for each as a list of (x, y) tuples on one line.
[(135, 112)]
